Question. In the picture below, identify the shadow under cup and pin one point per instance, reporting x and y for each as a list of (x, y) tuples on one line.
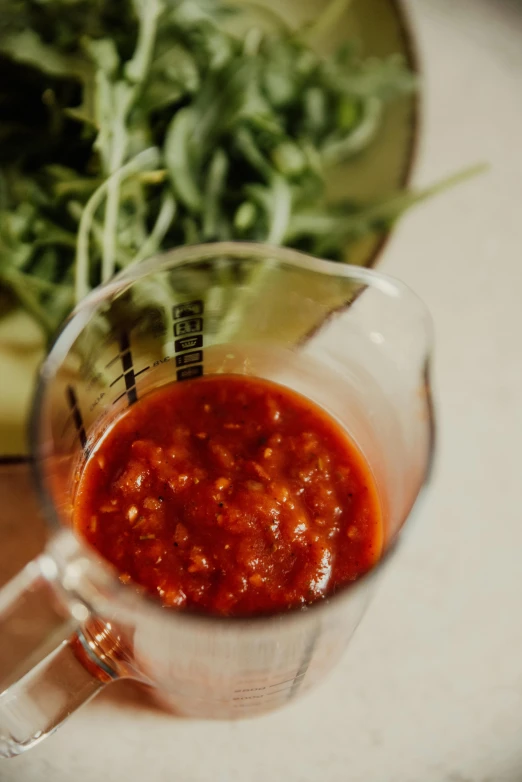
[(352, 340)]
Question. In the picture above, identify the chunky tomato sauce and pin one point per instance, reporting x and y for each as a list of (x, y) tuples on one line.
[(230, 495)]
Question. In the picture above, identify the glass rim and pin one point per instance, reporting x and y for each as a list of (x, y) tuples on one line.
[(196, 253), (192, 254)]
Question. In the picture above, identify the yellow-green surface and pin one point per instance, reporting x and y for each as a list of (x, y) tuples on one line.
[(378, 28)]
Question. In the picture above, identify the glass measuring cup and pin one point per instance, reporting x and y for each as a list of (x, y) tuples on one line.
[(352, 340)]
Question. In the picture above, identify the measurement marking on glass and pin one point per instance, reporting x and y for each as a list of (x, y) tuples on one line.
[(189, 372), (119, 397), (188, 309), (189, 358), (188, 343), (116, 358), (116, 380), (292, 679), (135, 374), (264, 692), (77, 416), (188, 336), (189, 326), (278, 692), (305, 662), (250, 689), (127, 388), (128, 368)]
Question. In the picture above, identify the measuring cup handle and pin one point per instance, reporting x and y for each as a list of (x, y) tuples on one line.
[(42, 678)]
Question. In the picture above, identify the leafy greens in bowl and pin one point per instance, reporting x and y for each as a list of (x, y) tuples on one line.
[(132, 126)]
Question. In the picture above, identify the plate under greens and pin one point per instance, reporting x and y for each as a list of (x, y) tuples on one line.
[(380, 29)]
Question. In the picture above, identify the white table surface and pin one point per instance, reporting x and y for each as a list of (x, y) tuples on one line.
[(430, 689)]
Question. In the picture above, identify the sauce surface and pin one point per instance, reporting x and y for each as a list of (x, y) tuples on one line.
[(232, 496)]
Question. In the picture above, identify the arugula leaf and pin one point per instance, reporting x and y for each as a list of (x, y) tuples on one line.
[(181, 158)]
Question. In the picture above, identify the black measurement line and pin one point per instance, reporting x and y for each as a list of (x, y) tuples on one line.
[(135, 374), (115, 381), (77, 416), (128, 368), (116, 358), (127, 389)]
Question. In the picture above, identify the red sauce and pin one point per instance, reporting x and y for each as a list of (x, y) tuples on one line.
[(230, 495)]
